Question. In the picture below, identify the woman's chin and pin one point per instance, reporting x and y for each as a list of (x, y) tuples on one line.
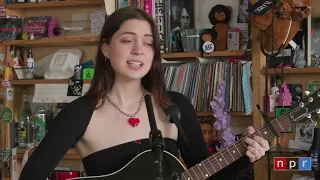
[(135, 76)]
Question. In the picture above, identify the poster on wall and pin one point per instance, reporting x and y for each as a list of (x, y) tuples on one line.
[(178, 19), (239, 16)]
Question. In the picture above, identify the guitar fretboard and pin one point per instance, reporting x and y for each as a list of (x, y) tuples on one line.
[(233, 152)]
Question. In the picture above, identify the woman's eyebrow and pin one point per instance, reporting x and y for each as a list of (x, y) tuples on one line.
[(132, 33)]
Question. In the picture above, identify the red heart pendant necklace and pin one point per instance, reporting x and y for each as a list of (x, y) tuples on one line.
[(133, 121)]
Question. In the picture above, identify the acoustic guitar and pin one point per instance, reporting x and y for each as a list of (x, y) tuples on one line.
[(141, 166)]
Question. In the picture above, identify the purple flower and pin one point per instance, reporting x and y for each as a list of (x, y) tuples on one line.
[(222, 124)]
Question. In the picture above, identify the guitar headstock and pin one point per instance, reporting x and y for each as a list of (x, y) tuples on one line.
[(308, 109)]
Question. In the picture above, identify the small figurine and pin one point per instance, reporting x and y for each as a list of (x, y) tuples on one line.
[(219, 17)]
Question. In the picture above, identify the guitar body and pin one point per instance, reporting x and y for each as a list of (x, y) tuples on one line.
[(141, 168)]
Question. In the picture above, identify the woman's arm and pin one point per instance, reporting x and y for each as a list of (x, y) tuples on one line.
[(66, 130), (190, 123)]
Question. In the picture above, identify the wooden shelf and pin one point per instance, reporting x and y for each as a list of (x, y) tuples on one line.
[(203, 114), (42, 81), (57, 41), (51, 4), (308, 70), (72, 154), (198, 54)]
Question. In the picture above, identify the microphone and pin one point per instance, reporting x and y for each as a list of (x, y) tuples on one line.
[(155, 138)]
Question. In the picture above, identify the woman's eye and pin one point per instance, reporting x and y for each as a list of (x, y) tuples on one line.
[(149, 44), (126, 41)]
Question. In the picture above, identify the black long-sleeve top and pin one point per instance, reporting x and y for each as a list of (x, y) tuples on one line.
[(70, 125)]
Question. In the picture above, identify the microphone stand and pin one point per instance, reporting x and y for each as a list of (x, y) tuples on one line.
[(156, 139)]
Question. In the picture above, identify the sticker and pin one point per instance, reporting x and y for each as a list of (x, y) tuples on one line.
[(2, 56), (208, 47), (9, 94), (41, 129), (75, 87), (6, 114), (6, 84), (5, 154)]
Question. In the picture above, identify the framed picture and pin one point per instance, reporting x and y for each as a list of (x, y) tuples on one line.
[(281, 111)]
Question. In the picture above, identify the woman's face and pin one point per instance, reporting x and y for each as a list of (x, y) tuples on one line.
[(131, 51)]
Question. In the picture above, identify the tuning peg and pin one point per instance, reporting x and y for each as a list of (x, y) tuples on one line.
[(307, 93), (313, 123), (310, 99)]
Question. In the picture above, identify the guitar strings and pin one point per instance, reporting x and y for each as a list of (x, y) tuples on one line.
[(237, 143), (275, 123), (226, 158), (227, 152)]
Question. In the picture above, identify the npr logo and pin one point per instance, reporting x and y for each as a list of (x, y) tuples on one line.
[(292, 163)]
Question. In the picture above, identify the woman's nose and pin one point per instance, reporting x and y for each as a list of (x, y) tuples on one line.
[(137, 49)]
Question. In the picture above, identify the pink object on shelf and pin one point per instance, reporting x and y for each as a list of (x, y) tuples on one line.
[(284, 98), (51, 26)]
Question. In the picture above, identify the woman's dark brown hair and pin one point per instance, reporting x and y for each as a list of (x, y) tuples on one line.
[(104, 75)]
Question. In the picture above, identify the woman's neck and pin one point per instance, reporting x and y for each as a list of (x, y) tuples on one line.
[(125, 94)]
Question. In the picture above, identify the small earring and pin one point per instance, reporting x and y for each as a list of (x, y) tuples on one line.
[(105, 58)]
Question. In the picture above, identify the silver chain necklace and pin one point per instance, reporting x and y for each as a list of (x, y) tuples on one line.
[(129, 115)]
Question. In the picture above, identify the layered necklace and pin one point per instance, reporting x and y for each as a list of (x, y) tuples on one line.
[(132, 119)]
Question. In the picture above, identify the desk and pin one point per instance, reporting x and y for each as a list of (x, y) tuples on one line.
[(282, 152)]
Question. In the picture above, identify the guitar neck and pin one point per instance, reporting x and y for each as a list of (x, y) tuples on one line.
[(233, 152)]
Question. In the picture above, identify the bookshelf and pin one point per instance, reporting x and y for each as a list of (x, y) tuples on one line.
[(57, 41), (72, 154), (235, 113), (93, 40), (65, 81), (54, 4), (42, 81), (63, 11), (278, 71), (198, 54)]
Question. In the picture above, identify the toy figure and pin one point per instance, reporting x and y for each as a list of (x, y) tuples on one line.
[(287, 20), (219, 17)]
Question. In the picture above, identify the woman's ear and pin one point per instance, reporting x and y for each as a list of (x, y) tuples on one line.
[(105, 50)]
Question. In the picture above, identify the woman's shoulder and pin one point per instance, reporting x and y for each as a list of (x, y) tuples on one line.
[(80, 106), (176, 97)]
